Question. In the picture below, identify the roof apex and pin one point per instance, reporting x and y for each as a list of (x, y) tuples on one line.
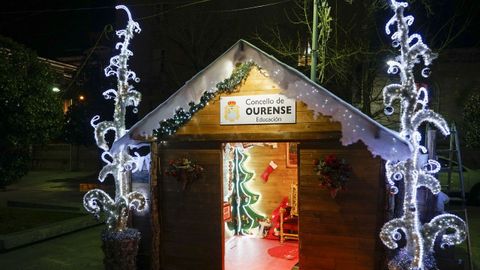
[(355, 124)]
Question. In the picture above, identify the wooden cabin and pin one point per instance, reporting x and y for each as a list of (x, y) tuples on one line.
[(187, 223)]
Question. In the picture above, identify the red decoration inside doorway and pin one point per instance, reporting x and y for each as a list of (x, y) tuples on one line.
[(284, 251), (275, 220), (270, 168)]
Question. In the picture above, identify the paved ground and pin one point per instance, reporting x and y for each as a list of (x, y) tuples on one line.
[(49, 187), (77, 251)]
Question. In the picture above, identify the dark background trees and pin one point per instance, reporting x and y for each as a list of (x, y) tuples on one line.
[(76, 126), (471, 115), (352, 45), (30, 112)]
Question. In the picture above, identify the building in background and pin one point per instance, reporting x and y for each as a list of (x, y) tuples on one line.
[(65, 73)]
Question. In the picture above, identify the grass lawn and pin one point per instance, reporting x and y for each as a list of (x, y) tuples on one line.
[(474, 230), (474, 225), (19, 219)]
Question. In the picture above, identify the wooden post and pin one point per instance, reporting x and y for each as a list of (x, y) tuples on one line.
[(155, 262), (313, 66)]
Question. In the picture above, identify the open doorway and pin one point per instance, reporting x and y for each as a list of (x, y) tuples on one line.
[(260, 205)]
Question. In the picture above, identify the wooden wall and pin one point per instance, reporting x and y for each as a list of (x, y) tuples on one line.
[(340, 233), (191, 230), (278, 185), (205, 124)]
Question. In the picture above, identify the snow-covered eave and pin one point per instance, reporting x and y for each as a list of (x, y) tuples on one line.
[(356, 126)]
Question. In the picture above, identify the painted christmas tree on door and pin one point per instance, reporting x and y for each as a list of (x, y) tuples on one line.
[(244, 218)]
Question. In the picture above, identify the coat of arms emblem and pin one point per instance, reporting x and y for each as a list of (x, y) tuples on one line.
[(232, 111)]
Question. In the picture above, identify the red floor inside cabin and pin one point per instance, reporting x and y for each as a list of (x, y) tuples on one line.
[(242, 253)]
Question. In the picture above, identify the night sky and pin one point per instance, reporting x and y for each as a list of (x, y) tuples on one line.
[(56, 27), (61, 28)]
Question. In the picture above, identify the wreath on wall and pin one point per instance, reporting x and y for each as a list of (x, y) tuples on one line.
[(333, 173), (185, 170)]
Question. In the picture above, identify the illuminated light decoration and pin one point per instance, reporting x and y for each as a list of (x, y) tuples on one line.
[(415, 172), (244, 217), (227, 171), (119, 163)]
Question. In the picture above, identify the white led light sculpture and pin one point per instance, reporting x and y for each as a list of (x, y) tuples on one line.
[(414, 111), (120, 163)]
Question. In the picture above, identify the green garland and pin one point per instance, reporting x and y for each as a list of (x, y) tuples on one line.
[(171, 125)]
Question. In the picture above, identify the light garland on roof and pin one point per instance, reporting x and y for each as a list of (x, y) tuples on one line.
[(420, 238), (181, 116), (118, 164)]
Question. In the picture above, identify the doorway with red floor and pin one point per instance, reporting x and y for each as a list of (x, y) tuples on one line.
[(259, 206)]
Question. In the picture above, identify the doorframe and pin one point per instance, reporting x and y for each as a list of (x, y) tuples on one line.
[(299, 141)]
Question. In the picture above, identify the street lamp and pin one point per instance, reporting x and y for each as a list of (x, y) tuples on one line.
[(56, 89)]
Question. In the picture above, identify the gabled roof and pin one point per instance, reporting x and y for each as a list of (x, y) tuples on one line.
[(355, 125)]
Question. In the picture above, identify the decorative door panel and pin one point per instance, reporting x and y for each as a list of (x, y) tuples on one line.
[(191, 207), (340, 232)]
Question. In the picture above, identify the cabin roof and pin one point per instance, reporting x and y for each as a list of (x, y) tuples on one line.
[(355, 125)]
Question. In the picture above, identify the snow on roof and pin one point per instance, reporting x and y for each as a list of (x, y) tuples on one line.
[(355, 124)]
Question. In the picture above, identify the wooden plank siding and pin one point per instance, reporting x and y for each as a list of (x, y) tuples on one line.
[(340, 233), (191, 221), (205, 124)]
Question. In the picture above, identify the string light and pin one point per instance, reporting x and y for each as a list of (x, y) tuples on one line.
[(420, 239), (120, 163)]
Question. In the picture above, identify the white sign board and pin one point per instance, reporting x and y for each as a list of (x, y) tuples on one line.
[(258, 109)]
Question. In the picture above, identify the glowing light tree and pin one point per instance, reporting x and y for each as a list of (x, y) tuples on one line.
[(244, 218), (120, 243), (415, 172)]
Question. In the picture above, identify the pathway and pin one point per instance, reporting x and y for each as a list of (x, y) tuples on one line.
[(76, 251)]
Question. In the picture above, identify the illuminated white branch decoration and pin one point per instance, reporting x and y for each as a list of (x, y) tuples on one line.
[(420, 238), (118, 164)]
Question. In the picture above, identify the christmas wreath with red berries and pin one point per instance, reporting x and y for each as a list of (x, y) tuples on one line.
[(333, 173), (184, 170)]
